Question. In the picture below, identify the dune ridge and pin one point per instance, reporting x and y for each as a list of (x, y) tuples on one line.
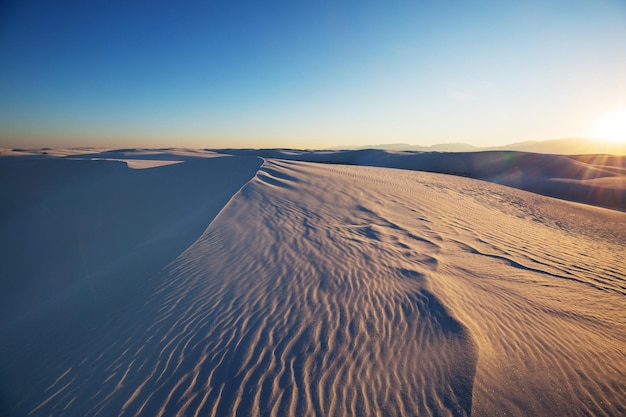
[(598, 180), (344, 290)]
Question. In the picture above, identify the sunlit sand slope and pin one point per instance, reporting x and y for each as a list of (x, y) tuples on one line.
[(334, 290), (598, 180)]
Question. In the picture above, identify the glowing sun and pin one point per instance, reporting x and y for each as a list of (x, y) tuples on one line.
[(612, 126)]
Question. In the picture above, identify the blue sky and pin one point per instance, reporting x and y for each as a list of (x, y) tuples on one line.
[(307, 74)]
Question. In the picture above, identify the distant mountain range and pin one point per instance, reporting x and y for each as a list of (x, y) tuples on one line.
[(567, 146)]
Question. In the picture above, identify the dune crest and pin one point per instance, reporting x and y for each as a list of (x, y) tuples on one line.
[(598, 180)]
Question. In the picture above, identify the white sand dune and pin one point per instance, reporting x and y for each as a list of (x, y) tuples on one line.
[(337, 290), (590, 179), (78, 229)]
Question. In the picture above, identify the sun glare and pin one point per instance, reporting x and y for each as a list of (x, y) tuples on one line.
[(612, 126)]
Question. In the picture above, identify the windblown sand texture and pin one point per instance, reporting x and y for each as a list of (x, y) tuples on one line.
[(332, 290)]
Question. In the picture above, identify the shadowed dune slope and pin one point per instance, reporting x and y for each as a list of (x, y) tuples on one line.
[(339, 290), (79, 235)]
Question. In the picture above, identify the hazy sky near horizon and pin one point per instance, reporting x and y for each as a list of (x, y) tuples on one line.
[(307, 74)]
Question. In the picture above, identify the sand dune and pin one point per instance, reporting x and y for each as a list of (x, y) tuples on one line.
[(565, 177), (337, 290), (75, 230)]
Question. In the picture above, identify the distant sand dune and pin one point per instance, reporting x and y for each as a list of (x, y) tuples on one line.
[(590, 179)]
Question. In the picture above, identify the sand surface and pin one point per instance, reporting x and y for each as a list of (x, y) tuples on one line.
[(333, 290), (598, 180)]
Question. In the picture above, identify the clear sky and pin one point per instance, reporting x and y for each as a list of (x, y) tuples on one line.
[(307, 74)]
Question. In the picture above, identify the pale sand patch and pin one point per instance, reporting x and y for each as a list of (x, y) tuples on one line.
[(140, 163)]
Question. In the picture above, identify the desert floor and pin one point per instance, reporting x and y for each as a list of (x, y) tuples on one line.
[(192, 283)]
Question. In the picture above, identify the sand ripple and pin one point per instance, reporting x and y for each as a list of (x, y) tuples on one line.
[(359, 291)]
